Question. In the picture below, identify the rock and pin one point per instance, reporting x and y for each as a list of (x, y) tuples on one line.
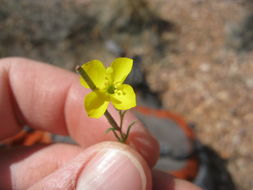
[(67, 33)]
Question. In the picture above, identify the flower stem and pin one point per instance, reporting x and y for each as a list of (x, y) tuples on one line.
[(108, 116), (111, 120), (86, 77)]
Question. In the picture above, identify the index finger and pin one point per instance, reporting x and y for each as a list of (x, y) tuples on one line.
[(51, 99)]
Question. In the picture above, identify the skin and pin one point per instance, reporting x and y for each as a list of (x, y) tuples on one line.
[(51, 99)]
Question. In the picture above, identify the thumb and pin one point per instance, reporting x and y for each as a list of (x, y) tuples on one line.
[(108, 165)]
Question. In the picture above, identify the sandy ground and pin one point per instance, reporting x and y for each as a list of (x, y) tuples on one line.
[(209, 81)]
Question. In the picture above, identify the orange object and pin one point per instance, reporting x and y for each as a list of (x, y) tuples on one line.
[(169, 115), (27, 138), (190, 170)]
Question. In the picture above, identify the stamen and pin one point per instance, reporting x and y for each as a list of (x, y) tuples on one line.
[(111, 89), (117, 84)]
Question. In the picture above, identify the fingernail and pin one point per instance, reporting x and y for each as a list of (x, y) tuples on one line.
[(112, 169)]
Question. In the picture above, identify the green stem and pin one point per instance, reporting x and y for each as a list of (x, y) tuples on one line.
[(121, 114), (111, 120), (117, 136), (86, 77)]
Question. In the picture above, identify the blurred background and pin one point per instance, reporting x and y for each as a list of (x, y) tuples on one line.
[(197, 57)]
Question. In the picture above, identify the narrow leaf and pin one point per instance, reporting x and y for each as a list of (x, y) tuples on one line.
[(128, 130), (109, 129)]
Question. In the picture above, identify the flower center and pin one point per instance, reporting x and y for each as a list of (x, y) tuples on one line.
[(111, 89)]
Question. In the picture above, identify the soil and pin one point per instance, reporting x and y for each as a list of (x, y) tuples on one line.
[(210, 78)]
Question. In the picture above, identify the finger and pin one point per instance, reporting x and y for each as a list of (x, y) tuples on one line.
[(49, 98), (27, 90), (23, 166), (164, 181), (107, 165)]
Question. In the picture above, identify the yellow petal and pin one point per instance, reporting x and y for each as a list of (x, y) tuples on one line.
[(95, 105), (124, 98), (121, 66), (96, 71)]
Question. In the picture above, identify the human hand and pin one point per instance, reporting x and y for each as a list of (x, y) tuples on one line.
[(51, 99)]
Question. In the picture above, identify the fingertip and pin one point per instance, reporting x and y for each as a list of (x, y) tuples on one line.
[(146, 145), (107, 165), (115, 166)]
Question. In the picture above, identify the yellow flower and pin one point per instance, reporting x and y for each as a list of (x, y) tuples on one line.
[(109, 86)]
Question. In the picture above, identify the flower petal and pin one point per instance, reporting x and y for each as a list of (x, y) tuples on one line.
[(121, 66), (95, 105), (124, 98), (96, 71)]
